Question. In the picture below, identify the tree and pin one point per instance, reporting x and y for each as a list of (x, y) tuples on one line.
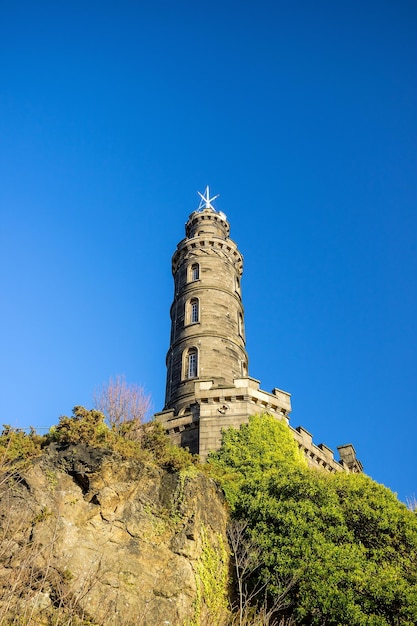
[(345, 544), (84, 427), (125, 405), (253, 451), (251, 602)]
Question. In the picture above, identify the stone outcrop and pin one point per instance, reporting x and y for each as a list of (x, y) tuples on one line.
[(109, 540)]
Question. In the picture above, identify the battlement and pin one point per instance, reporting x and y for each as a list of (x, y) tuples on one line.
[(217, 406), (321, 456)]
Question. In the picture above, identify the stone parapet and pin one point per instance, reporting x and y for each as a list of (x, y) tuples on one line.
[(218, 407), (318, 456)]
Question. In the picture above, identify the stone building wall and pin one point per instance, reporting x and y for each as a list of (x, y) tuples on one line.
[(217, 335), (220, 407)]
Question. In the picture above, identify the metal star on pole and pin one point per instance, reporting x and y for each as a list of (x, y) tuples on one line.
[(205, 202)]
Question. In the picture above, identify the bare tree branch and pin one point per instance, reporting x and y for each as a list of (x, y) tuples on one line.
[(253, 603), (123, 404), (412, 503)]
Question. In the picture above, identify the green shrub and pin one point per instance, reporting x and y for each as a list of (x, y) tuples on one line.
[(164, 452), (332, 549), (83, 426), (252, 452), (18, 446), (150, 440)]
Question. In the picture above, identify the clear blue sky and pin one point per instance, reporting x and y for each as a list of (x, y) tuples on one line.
[(302, 115)]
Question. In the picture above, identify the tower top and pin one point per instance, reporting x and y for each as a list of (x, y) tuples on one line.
[(205, 202), (206, 219)]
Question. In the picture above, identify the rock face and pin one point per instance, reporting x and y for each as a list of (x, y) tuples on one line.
[(104, 540)]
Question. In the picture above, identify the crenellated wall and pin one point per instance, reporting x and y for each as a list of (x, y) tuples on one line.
[(217, 407)]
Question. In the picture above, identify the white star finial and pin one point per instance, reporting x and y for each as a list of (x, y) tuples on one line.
[(205, 202)]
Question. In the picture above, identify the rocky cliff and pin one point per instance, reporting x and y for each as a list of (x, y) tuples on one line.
[(90, 538)]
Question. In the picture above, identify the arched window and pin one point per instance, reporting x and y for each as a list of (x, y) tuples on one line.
[(194, 311), (195, 271), (240, 324), (192, 363)]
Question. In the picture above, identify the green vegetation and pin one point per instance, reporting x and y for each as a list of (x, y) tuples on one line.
[(83, 426), (308, 547), (89, 428), (16, 446), (330, 549), (212, 582), (178, 497)]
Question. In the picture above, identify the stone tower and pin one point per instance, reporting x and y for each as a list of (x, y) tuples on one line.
[(208, 388), (207, 327)]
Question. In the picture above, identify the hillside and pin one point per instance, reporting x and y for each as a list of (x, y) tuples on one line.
[(90, 537), (87, 534), (105, 527)]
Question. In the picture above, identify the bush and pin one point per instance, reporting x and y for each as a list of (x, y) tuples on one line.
[(18, 446), (333, 549), (84, 426), (165, 453), (88, 427)]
